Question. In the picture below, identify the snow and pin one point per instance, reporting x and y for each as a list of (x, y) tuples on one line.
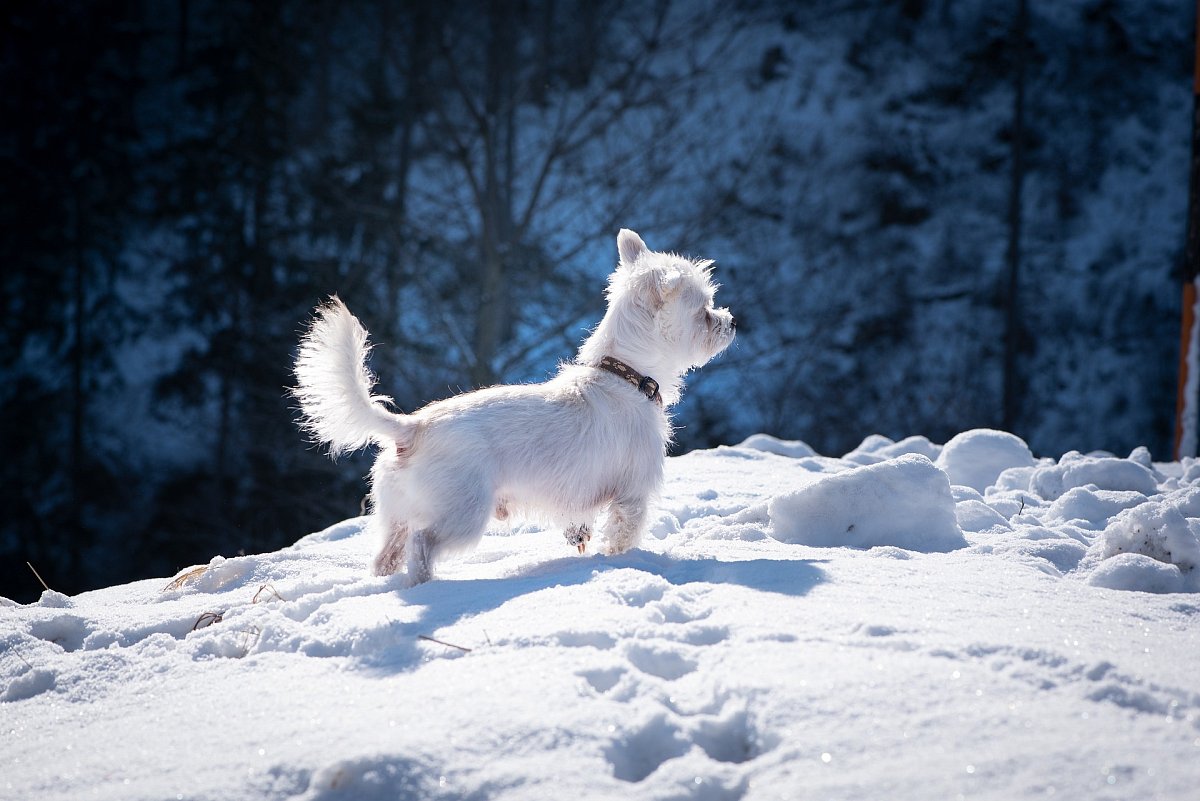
[(781, 447), (977, 458), (1104, 472), (904, 502), (959, 641)]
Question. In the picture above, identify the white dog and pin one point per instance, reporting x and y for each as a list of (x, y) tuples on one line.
[(592, 438)]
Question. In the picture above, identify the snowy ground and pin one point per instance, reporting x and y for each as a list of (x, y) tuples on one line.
[(795, 626)]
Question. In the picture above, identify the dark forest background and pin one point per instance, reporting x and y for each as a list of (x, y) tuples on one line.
[(928, 215)]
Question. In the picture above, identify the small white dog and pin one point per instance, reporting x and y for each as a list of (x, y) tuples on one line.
[(592, 438)]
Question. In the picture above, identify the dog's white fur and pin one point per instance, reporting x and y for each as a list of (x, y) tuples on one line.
[(584, 441)]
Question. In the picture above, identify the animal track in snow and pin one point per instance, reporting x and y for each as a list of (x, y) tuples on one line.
[(694, 737), (731, 738), (679, 607), (603, 679), (727, 739), (367, 779), (681, 611), (1099, 682), (882, 637), (643, 751), (1047, 670), (665, 663), (704, 635), (585, 639)]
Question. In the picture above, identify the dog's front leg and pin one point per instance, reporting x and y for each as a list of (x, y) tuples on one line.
[(623, 529), (579, 535)]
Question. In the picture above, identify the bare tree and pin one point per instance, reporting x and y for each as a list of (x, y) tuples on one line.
[(536, 150)]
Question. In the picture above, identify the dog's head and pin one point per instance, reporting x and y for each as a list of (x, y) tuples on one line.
[(668, 302)]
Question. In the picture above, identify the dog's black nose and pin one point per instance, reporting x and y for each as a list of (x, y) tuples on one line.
[(733, 323)]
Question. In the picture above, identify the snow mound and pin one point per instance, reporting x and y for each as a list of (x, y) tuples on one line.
[(1042, 548), (1156, 530), (1013, 478), (870, 447), (976, 516), (1091, 508), (976, 458), (1187, 501), (878, 448), (1138, 573), (1102, 472), (904, 502), (793, 448)]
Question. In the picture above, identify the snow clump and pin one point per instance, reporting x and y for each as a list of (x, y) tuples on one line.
[(976, 458), (1156, 530), (1103, 472)]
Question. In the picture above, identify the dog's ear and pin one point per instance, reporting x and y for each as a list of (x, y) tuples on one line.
[(630, 246), (650, 289)]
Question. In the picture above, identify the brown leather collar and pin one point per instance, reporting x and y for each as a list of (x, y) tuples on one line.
[(643, 383)]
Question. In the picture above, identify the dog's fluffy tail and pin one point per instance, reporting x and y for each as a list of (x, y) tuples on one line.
[(334, 386)]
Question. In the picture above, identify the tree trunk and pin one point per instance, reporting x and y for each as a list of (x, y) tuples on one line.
[(496, 212), (75, 532), (1012, 337)]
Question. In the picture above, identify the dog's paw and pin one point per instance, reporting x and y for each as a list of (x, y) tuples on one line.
[(618, 546), (578, 534)]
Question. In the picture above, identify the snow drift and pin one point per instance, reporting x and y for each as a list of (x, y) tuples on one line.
[(796, 625), (904, 501)]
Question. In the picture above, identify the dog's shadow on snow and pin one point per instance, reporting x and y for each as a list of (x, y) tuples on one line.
[(445, 602)]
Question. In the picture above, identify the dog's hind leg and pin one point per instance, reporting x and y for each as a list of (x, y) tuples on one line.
[(458, 530), (390, 558), (421, 547)]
